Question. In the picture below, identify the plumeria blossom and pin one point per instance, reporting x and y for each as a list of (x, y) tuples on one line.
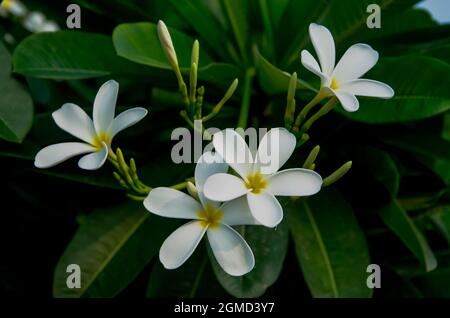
[(96, 134), (343, 80), (229, 248), (260, 181)]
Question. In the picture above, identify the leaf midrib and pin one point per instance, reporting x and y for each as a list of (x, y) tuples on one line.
[(322, 250), (114, 252)]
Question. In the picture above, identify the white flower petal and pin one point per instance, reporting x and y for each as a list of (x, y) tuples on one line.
[(126, 119), (234, 150), (224, 187), (180, 245), (94, 160), (347, 100), (310, 63), (323, 43), (237, 212), (231, 251), (365, 87), (208, 164), (356, 61), (265, 208), (295, 182), (172, 203), (75, 121), (274, 150), (105, 105), (52, 155)]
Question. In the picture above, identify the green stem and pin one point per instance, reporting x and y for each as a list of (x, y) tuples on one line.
[(267, 24), (322, 112), (304, 112), (245, 105)]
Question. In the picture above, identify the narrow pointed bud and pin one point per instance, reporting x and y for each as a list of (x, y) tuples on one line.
[(120, 180), (195, 52), (225, 98), (292, 87), (193, 83), (123, 166), (133, 170), (289, 114), (231, 89), (309, 162), (192, 190), (338, 174), (167, 45)]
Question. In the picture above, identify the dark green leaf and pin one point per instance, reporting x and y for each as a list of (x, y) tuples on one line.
[(273, 80), (205, 24), (269, 247), (112, 246), (139, 43), (400, 223), (16, 105), (70, 55), (330, 246)]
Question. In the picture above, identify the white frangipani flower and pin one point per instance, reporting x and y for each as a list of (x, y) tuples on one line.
[(259, 183), (229, 248), (343, 80), (97, 134)]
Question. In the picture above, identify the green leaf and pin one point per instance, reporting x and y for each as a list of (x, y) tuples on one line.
[(330, 246), (440, 217), (16, 105), (198, 15), (399, 222), (180, 282), (273, 80), (383, 169), (414, 98), (68, 55), (112, 246), (345, 19), (269, 247), (427, 147), (446, 127), (238, 13), (139, 43)]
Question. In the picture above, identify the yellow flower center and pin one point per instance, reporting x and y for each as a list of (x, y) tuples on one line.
[(334, 84), (210, 216), (256, 182), (99, 139)]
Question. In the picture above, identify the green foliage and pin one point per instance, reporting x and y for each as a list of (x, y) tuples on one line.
[(391, 208), (330, 246)]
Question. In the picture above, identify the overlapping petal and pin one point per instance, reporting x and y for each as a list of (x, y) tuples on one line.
[(180, 245), (295, 182), (323, 43), (370, 88), (75, 121), (94, 160), (356, 61), (54, 154), (172, 203), (234, 150), (265, 208), (105, 105), (275, 148), (126, 119), (224, 187), (237, 212), (208, 164), (230, 250)]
